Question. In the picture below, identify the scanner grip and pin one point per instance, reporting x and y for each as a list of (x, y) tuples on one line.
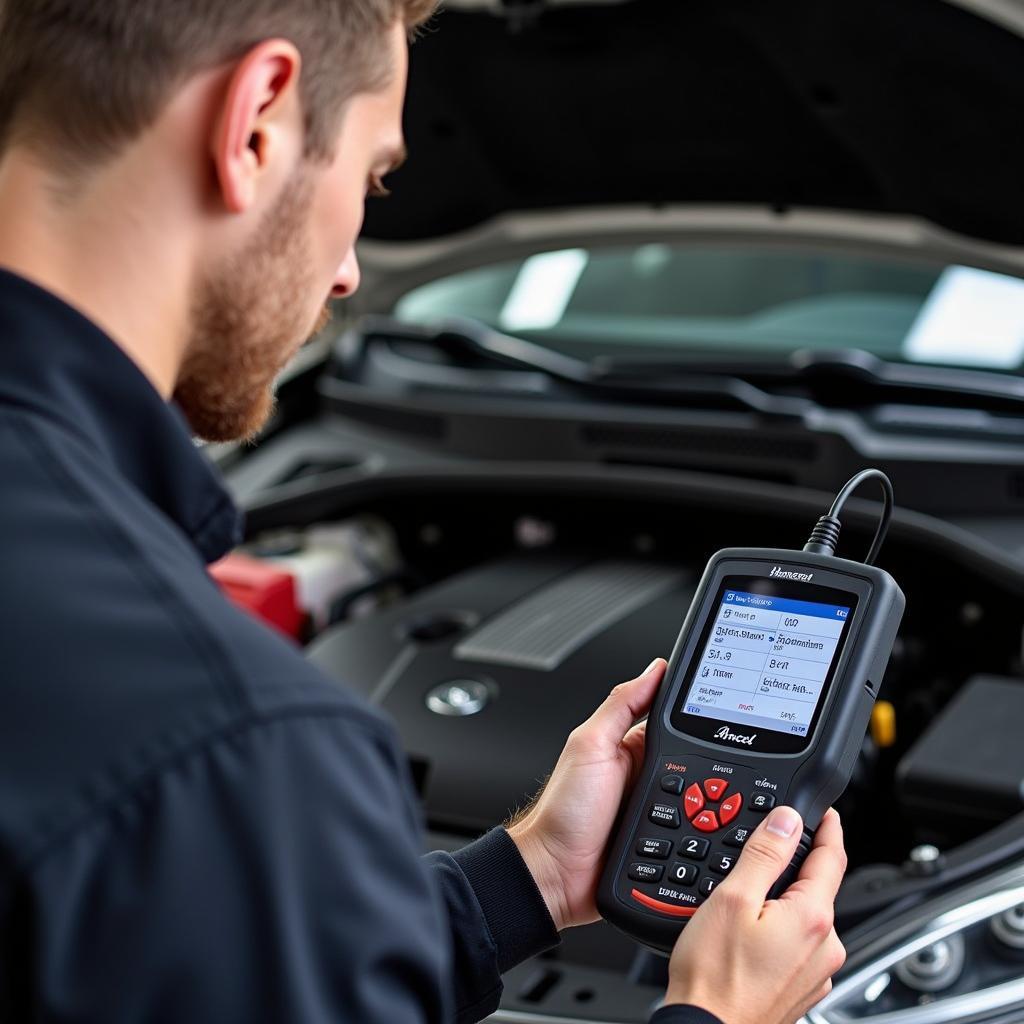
[(789, 876)]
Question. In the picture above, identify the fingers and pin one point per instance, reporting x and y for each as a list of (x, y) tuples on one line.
[(625, 704), (822, 872), (633, 743), (765, 856), (634, 740)]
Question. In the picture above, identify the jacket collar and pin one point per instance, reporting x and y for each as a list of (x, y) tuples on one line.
[(61, 365)]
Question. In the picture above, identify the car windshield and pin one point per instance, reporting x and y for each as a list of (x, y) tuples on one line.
[(713, 301)]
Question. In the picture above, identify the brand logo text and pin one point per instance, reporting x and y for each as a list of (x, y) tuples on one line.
[(786, 574), (734, 737)]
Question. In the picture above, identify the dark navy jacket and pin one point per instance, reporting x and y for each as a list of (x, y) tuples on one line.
[(195, 825)]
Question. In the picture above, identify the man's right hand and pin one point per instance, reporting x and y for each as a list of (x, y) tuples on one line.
[(754, 962)]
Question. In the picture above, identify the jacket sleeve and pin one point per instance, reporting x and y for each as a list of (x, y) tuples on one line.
[(271, 875), (497, 916), (680, 1014), (499, 919)]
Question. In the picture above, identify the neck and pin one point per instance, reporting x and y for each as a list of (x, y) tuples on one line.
[(109, 251)]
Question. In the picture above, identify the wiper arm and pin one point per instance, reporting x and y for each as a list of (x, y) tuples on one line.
[(862, 368), (747, 383), (608, 379), (877, 380), (478, 338)]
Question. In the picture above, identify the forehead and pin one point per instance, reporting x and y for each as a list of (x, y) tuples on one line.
[(379, 112)]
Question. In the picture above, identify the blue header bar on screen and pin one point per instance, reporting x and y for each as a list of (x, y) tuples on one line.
[(784, 604)]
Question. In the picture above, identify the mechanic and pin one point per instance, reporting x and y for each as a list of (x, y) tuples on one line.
[(195, 825)]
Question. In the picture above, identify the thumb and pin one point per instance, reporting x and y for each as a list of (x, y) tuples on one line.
[(765, 856), (625, 704)]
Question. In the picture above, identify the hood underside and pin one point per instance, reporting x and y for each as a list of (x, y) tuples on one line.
[(909, 107)]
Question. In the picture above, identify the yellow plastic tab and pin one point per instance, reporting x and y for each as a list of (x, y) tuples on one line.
[(883, 724)]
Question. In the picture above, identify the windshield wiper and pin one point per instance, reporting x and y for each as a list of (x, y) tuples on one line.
[(836, 378), (599, 377), (862, 368), (862, 378)]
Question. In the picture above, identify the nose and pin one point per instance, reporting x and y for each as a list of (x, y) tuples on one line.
[(346, 280)]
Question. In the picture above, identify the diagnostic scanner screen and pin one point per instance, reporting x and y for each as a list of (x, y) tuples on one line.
[(766, 661)]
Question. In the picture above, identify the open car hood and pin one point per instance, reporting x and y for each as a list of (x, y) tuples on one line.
[(912, 109)]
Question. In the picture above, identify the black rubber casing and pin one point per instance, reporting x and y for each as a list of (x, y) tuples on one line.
[(809, 781)]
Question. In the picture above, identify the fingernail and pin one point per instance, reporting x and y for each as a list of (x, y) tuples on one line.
[(783, 821), (650, 668)]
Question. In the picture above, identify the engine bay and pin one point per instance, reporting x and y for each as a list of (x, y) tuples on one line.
[(494, 610), (562, 598)]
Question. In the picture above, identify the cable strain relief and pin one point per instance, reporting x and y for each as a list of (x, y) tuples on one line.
[(824, 537)]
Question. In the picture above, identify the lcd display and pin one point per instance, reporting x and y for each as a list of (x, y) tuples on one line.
[(766, 661)]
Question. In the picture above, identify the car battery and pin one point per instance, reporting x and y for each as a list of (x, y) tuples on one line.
[(328, 561), (263, 590), (293, 578), (967, 768)]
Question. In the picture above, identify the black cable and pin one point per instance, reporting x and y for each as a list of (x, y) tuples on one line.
[(825, 535)]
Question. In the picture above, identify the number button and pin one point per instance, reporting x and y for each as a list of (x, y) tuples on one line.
[(645, 872), (694, 848), (762, 802), (722, 863), (737, 837), (683, 874), (707, 885), (658, 848)]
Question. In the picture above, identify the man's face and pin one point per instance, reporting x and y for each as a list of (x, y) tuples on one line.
[(251, 315)]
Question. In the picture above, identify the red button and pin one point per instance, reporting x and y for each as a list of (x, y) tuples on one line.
[(715, 788), (730, 808), (706, 822), (693, 801), (665, 908)]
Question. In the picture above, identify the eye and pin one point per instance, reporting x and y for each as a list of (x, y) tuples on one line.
[(376, 187)]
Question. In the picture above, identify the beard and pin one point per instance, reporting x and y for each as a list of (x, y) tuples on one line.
[(247, 319)]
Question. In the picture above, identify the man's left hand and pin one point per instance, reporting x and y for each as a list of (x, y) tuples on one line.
[(563, 835)]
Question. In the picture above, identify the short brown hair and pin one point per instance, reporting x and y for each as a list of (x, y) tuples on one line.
[(84, 77)]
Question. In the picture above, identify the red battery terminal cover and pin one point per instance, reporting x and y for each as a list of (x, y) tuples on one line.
[(263, 590)]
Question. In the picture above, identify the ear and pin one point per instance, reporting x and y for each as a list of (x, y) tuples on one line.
[(258, 111)]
